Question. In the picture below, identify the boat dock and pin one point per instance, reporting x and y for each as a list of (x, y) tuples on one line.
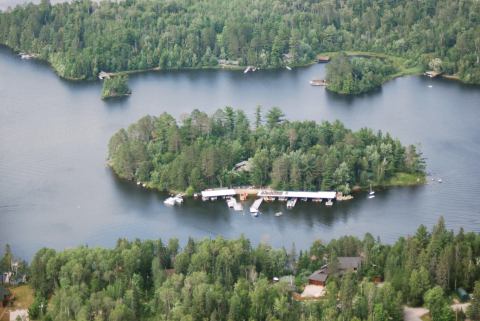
[(232, 203), (255, 206)]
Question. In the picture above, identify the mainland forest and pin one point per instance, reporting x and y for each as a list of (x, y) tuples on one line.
[(218, 279), (81, 38), (201, 151)]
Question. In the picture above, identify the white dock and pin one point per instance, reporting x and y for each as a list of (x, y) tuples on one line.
[(232, 203), (256, 205)]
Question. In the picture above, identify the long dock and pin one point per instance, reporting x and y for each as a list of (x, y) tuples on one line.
[(256, 205)]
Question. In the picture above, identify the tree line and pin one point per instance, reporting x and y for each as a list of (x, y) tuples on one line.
[(218, 279), (81, 38), (201, 151)]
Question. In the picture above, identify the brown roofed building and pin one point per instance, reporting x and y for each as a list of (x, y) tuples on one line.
[(318, 277)]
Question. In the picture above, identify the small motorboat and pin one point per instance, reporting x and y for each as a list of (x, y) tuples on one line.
[(288, 68), (169, 201), (371, 196), (278, 214), (329, 203), (372, 192), (440, 180)]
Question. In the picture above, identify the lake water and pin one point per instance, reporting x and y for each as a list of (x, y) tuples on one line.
[(55, 190)]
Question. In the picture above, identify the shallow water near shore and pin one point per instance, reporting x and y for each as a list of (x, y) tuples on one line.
[(56, 191)]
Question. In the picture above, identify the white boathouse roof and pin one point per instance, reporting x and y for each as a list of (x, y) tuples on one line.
[(298, 194), (218, 192)]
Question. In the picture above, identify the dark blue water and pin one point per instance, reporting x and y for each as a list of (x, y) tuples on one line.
[(55, 190)]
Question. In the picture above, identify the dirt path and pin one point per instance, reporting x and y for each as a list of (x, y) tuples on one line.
[(413, 314)]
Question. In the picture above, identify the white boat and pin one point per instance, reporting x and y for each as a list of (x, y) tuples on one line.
[(278, 214), (144, 185), (291, 203), (304, 199), (255, 214), (230, 202), (249, 68), (174, 200), (178, 199), (371, 196), (440, 180), (169, 201), (430, 86), (329, 203), (138, 183), (288, 68), (372, 192)]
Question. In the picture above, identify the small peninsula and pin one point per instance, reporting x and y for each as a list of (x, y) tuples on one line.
[(357, 75), (116, 86), (223, 149)]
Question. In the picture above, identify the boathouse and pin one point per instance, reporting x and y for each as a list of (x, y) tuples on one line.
[(213, 194), (323, 59), (298, 194)]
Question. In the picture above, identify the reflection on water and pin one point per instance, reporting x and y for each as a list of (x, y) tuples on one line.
[(56, 190)]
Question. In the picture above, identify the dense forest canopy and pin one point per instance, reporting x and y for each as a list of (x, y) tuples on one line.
[(115, 87), (83, 37), (357, 74), (201, 152), (218, 279)]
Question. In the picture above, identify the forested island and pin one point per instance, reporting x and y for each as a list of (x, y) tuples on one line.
[(81, 38), (223, 149), (116, 86), (218, 279)]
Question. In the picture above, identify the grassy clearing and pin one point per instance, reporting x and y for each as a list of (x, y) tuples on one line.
[(23, 299), (400, 63), (406, 179)]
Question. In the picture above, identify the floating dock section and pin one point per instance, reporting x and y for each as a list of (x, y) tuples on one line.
[(256, 205)]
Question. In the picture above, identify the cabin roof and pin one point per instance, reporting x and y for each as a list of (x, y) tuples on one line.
[(349, 262), (319, 275), (299, 194)]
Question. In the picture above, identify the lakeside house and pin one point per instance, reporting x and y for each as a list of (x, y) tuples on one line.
[(345, 264)]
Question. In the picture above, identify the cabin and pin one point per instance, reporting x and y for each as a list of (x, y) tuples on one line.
[(5, 295), (349, 264), (323, 59), (346, 264), (318, 277), (243, 166)]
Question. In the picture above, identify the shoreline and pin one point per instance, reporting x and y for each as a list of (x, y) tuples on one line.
[(404, 72), (400, 180)]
